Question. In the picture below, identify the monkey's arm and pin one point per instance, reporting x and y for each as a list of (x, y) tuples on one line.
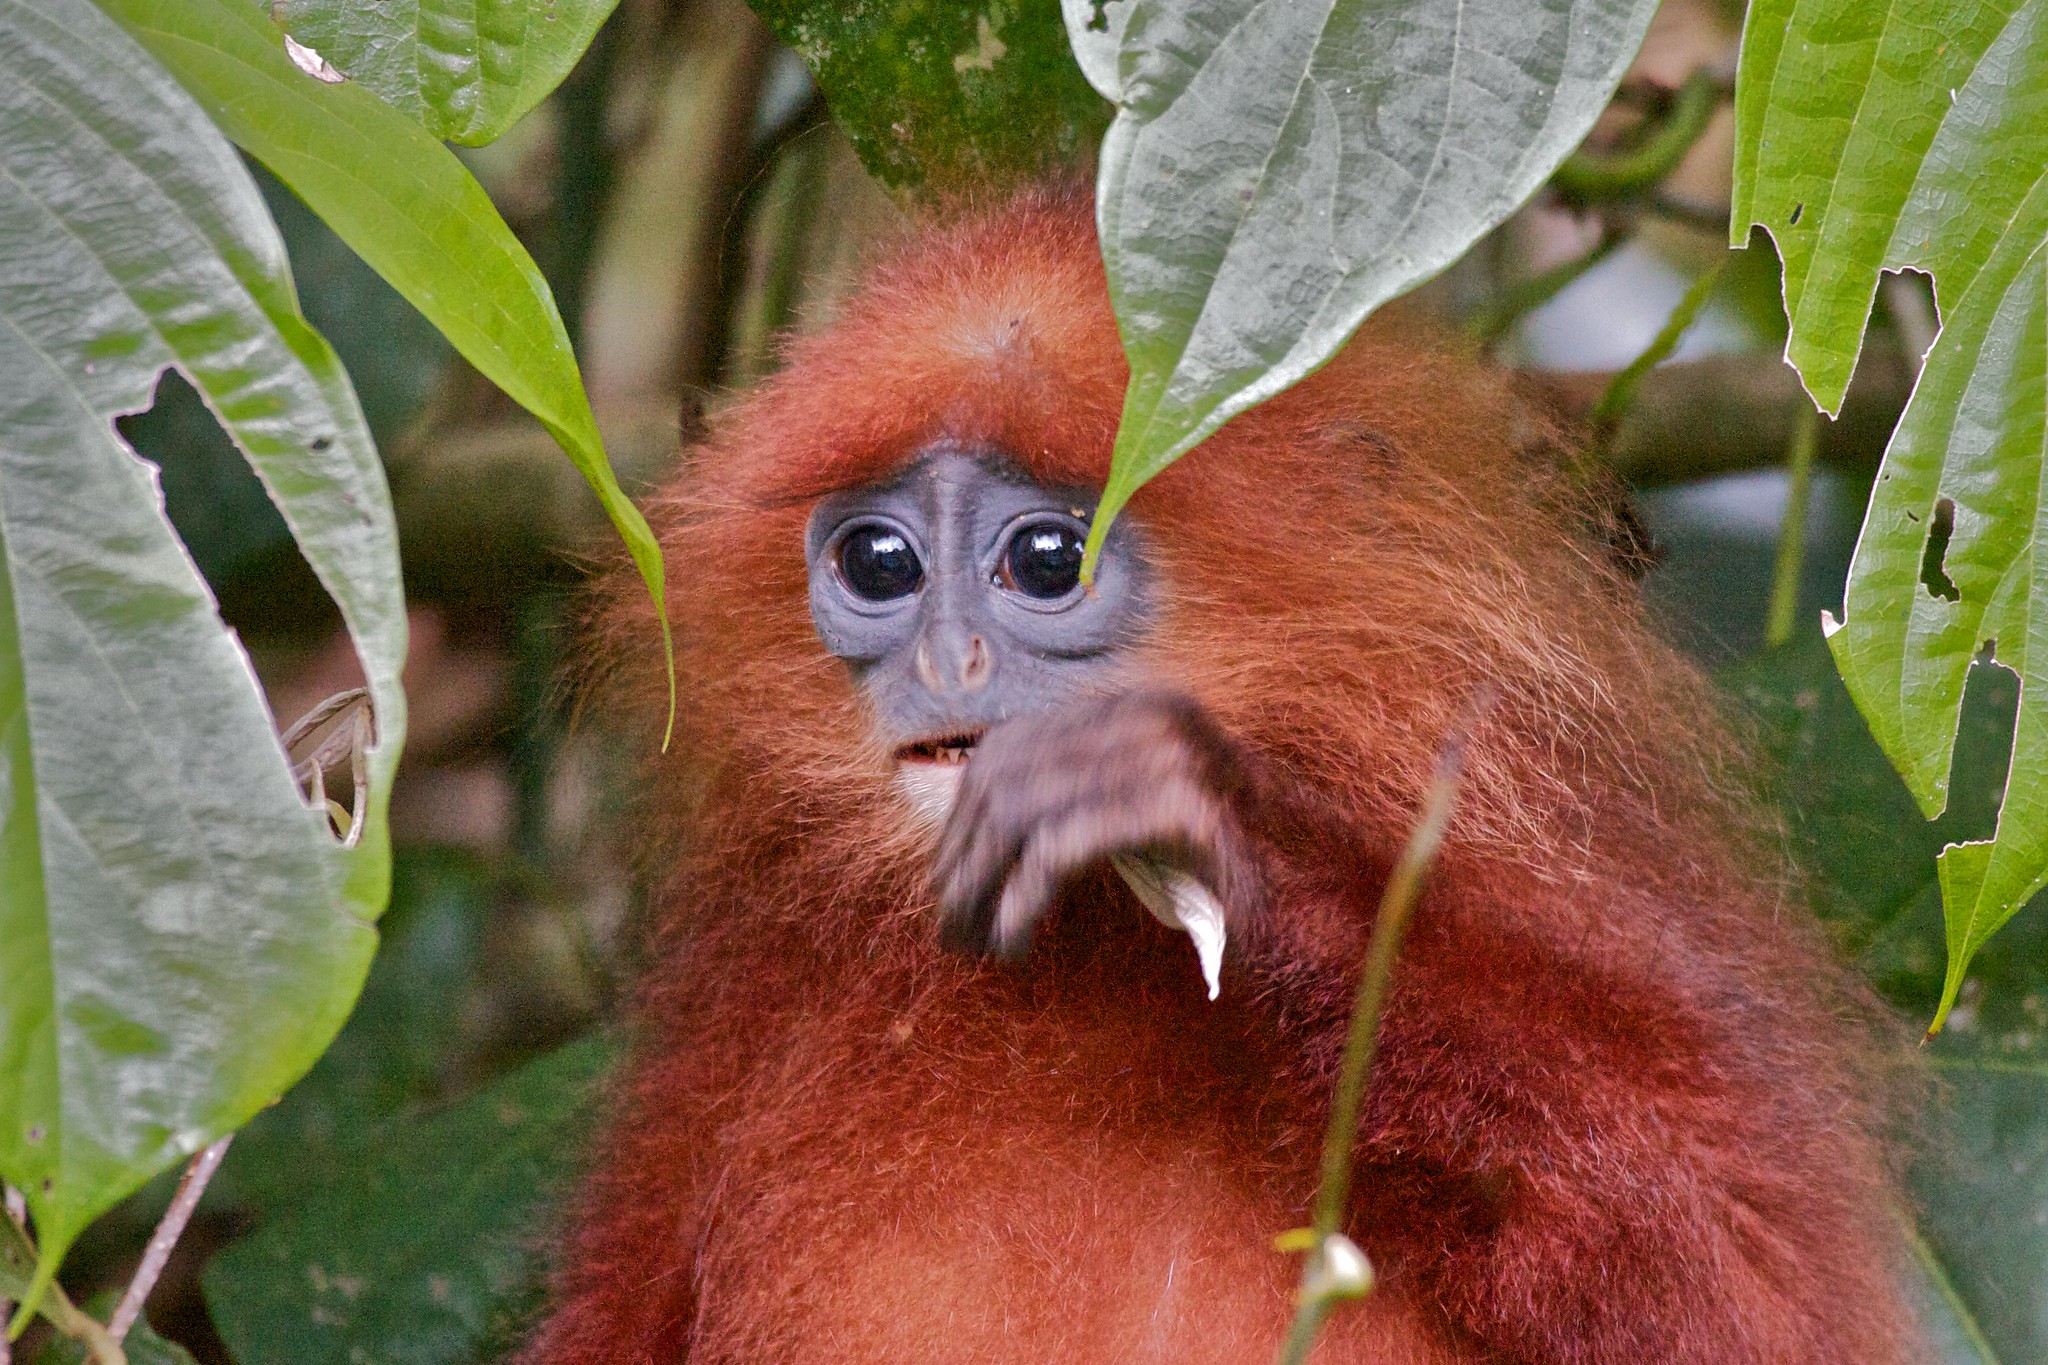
[(1585, 1156)]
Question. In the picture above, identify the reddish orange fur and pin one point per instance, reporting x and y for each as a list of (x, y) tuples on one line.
[(1617, 1116)]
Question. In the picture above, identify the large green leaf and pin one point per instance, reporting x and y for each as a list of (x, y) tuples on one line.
[(958, 95), (179, 934), (465, 69), (1884, 136), (406, 205), (423, 1251), (1277, 170)]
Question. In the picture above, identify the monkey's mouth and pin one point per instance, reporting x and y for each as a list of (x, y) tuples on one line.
[(944, 750), (928, 774)]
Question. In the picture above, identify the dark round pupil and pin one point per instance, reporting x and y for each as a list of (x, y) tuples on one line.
[(1045, 560), (879, 564)]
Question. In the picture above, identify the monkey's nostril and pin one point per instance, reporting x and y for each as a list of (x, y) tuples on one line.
[(927, 671), (974, 672)]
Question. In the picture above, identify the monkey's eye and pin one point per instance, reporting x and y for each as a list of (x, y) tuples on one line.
[(1043, 560), (878, 564)]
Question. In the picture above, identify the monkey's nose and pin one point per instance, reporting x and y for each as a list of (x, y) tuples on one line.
[(965, 667)]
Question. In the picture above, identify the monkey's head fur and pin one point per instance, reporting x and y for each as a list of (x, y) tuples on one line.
[(1337, 571)]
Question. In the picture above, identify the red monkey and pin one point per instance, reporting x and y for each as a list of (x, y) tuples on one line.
[(1617, 1117)]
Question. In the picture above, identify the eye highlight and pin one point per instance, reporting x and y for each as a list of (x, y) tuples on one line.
[(878, 563), (1042, 560)]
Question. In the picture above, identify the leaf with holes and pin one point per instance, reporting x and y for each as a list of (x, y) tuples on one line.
[(1877, 137), (408, 207), (180, 936), (465, 70), (1276, 171)]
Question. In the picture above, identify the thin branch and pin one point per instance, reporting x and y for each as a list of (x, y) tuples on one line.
[(1335, 1269), (1792, 532), (17, 1211), (1722, 414), (158, 1253), (1621, 391), (1525, 297), (1706, 218)]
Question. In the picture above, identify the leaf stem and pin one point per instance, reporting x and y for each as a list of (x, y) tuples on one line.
[(1588, 176), (1397, 906), (1792, 530), (158, 1253), (17, 1212), (1528, 295), (1621, 391), (17, 1266), (1930, 1262)]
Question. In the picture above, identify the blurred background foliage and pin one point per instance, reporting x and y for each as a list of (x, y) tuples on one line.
[(690, 200)]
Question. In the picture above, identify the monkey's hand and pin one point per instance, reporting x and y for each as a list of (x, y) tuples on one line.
[(1144, 774)]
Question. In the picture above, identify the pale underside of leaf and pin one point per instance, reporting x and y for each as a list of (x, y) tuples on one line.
[(179, 936), (1278, 170)]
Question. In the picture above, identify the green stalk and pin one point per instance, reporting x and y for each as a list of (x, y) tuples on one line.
[(1529, 295), (1621, 390), (1792, 530), (1321, 1290)]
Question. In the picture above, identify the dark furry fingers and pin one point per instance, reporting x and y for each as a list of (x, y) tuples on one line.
[(1049, 795)]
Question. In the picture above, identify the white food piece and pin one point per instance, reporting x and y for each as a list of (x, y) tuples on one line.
[(1179, 902)]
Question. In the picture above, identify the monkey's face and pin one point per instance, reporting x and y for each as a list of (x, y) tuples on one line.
[(953, 592)]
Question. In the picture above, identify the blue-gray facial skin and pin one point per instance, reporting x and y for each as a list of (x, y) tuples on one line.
[(953, 594)]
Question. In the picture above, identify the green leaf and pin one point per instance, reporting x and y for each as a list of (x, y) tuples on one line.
[(1980, 1183), (1983, 1190), (957, 95), (425, 1250), (1857, 830), (409, 1039), (179, 934), (1277, 170), (1879, 137), (1965, 463), (408, 207), (465, 70)]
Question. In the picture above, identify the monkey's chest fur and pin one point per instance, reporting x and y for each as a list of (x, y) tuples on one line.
[(1002, 1162)]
